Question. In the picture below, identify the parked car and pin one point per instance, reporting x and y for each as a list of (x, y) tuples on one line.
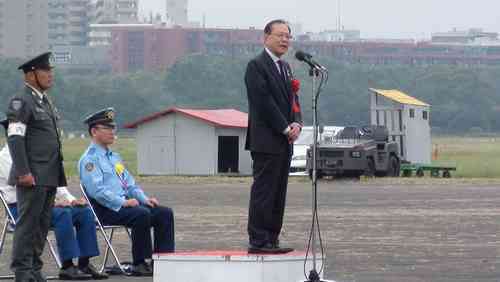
[(299, 158)]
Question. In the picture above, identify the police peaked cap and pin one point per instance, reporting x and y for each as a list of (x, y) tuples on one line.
[(40, 62), (104, 117)]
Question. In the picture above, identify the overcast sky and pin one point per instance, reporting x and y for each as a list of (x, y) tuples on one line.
[(375, 18)]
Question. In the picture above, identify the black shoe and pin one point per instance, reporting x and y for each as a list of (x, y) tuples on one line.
[(267, 248), (73, 273), (116, 270), (283, 250), (141, 270), (151, 266), (39, 277), (96, 275)]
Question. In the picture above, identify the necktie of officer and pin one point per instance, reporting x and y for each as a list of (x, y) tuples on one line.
[(119, 170), (48, 103)]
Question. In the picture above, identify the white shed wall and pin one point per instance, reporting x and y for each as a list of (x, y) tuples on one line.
[(415, 132), (195, 146), (180, 145), (156, 147), (418, 135)]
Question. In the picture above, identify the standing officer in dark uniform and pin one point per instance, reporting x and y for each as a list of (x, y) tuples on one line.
[(37, 167)]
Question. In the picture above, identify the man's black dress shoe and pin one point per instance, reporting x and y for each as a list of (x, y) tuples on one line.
[(267, 248), (284, 250), (96, 275), (73, 273), (142, 269), (39, 277), (151, 266)]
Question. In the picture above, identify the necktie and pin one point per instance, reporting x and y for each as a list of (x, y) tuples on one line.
[(118, 170), (48, 103), (282, 69)]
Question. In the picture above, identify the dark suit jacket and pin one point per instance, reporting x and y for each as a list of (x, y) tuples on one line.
[(39, 151), (269, 106)]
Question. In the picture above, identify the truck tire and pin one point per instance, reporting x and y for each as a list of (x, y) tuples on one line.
[(370, 167), (446, 174), (407, 173), (420, 172), (319, 174), (394, 167)]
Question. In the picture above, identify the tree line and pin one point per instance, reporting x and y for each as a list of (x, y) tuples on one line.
[(463, 98)]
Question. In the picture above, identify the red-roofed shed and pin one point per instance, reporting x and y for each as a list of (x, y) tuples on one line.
[(180, 141)]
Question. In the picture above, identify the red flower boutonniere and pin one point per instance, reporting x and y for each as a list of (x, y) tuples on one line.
[(295, 90), (295, 86)]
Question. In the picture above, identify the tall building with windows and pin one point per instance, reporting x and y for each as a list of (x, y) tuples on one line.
[(23, 28), (68, 22), (116, 11), (153, 48), (177, 12)]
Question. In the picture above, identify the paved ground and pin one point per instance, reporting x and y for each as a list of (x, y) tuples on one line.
[(372, 232)]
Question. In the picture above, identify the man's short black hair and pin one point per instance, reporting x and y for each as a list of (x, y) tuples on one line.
[(269, 26)]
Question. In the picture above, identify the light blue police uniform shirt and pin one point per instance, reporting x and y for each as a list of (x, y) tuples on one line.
[(103, 183)]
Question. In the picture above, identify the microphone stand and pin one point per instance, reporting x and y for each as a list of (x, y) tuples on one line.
[(314, 73)]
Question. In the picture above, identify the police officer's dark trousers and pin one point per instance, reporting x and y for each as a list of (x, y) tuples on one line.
[(140, 219), (34, 208)]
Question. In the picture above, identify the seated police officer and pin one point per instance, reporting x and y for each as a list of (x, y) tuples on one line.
[(118, 200)]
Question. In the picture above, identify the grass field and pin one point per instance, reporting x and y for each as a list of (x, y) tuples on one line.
[(474, 157), (477, 157)]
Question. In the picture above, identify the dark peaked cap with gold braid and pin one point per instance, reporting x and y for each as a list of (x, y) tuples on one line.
[(104, 117)]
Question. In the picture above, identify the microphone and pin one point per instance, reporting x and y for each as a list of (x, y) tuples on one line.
[(307, 58)]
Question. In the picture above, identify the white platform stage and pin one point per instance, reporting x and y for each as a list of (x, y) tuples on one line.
[(218, 266)]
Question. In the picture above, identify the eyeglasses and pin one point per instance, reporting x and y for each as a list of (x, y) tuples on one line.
[(283, 36), (113, 129)]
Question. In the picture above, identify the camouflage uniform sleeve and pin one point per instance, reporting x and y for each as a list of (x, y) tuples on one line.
[(18, 115)]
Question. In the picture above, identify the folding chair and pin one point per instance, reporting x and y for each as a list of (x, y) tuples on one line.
[(10, 220), (109, 239)]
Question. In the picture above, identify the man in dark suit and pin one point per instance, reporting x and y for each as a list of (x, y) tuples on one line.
[(272, 129), (37, 168)]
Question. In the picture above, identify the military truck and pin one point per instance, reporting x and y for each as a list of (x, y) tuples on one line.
[(356, 151)]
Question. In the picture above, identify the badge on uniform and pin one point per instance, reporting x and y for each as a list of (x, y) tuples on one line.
[(16, 104), (89, 166), (119, 168), (110, 115)]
